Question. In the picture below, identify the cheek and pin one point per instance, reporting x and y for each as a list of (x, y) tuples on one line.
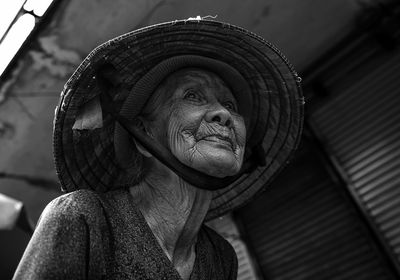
[(240, 131), (181, 130), (175, 137)]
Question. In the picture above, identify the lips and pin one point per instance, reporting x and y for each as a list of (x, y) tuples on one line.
[(214, 137)]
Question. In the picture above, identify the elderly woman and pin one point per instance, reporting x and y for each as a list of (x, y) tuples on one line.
[(158, 131)]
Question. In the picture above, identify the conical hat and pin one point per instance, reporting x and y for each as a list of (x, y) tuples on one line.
[(86, 157)]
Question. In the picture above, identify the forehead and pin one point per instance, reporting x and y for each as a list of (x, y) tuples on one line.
[(176, 83), (199, 78)]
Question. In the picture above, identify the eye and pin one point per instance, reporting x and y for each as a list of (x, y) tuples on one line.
[(191, 94), (229, 105)]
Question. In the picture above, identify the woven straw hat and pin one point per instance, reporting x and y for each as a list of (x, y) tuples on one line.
[(87, 137)]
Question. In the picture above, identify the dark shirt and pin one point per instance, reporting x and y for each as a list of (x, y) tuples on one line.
[(86, 235)]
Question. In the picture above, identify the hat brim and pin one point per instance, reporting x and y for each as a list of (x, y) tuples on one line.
[(86, 159)]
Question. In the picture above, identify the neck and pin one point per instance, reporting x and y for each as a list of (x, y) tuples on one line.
[(174, 211)]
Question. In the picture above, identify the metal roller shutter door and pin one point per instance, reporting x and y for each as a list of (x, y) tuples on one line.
[(361, 128), (304, 227)]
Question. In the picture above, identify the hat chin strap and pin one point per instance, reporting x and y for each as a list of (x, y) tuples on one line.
[(190, 175)]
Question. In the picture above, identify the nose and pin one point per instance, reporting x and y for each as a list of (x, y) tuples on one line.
[(220, 115)]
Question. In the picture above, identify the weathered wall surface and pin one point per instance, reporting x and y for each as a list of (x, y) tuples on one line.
[(301, 29)]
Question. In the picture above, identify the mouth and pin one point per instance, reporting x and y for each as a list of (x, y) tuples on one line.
[(220, 139)]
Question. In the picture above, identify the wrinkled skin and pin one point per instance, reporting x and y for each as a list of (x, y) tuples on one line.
[(197, 119)]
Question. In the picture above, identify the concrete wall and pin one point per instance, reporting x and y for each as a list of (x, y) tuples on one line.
[(301, 29)]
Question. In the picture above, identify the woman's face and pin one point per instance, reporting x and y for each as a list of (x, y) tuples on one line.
[(196, 116)]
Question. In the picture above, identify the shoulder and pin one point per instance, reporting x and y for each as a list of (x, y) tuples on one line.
[(79, 200), (222, 248), (66, 240), (72, 206), (224, 256), (217, 240)]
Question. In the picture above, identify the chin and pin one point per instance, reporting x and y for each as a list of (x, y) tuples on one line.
[(221, 172), (214, 160), (218, 165)]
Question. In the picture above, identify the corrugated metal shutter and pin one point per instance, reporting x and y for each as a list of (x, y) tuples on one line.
[(227, 228), (361, 128), (305, 227)]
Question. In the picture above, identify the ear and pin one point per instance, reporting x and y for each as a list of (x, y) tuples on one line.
[(141, 124)]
